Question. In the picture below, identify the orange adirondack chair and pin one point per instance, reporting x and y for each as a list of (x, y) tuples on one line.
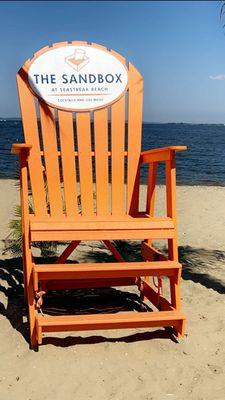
[(92, 161)]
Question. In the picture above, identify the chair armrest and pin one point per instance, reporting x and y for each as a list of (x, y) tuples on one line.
[(162, 154), (18, 148)]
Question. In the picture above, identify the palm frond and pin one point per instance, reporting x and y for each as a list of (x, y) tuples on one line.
[(222, 9)]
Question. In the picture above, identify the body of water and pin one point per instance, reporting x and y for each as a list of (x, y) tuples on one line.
[(202, 164)]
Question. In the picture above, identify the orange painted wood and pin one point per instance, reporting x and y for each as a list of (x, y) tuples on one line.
[(114, 251), (135, 223), (175, 291), (27, 255), (110, 321), (102, 271), (148, 251), (117, 143), (150, 203), (136, 228), (38, 332), (93, 153), (172, 243), (151, 188), (99, 319), (171, 188), (86, 283), (24, 210), (121, 234), (101, 161), (18, 148), (66, 253), (68, 161), (162, 149), (85, 162), (155, 157), (51, 160), (163, 154), (135, 99), (92, 218), (151, 294), (30, 129), (171, 203)]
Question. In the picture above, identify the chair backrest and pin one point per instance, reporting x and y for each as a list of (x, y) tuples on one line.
[(82, 157)]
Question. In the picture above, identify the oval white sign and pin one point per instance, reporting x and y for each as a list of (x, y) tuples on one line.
[(77, 77)]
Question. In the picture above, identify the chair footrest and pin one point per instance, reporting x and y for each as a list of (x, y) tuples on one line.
[(109, 321), (47, 272)]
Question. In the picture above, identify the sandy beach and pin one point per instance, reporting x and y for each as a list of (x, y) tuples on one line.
[(130, 364)]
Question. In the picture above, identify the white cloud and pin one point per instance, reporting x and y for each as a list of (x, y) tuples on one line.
[(220, 77)]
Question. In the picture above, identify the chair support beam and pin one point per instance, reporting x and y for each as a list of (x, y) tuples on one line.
[(66, 253)]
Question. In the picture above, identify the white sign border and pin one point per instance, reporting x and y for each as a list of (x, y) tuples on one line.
[(45, 49)]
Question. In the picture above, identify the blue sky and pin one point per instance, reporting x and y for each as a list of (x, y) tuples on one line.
[(179, 47)]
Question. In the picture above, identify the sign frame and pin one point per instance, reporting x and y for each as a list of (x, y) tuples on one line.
[(45, 49)]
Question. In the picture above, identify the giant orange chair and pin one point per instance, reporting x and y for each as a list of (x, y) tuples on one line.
[(83, 94)]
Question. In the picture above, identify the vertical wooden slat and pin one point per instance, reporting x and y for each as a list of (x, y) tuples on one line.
[(68, 161), (171, 204), (30, 128), (85, 162), (171, 187), (51, 159), (135, 98), (151, 187), (101, 161), (150, 203), (172, 243), (117, 149)]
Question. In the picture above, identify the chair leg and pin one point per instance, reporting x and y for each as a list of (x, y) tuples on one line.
[(150, 205), (150, 258), (27, 254), (146, 278), (29, 293), (175, 292), (32, 315), (175, 282), (24, 276), (173, 249), (24, 271)]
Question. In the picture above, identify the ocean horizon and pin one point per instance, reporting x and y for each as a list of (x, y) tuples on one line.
[(202, 164), (4, 119)]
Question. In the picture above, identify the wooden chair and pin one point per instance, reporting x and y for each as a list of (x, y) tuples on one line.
[(64, 141)]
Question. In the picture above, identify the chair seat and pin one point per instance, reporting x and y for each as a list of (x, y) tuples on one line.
[(99, 228)]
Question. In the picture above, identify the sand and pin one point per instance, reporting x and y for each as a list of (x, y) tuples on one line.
[(128, 364)]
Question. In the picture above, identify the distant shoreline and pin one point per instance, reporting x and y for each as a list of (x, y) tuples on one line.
[(202, 164), (4, 119)]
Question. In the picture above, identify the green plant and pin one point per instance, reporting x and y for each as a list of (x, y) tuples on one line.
[(13, 242)]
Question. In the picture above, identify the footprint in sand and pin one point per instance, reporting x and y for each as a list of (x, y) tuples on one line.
[(215, 369)]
